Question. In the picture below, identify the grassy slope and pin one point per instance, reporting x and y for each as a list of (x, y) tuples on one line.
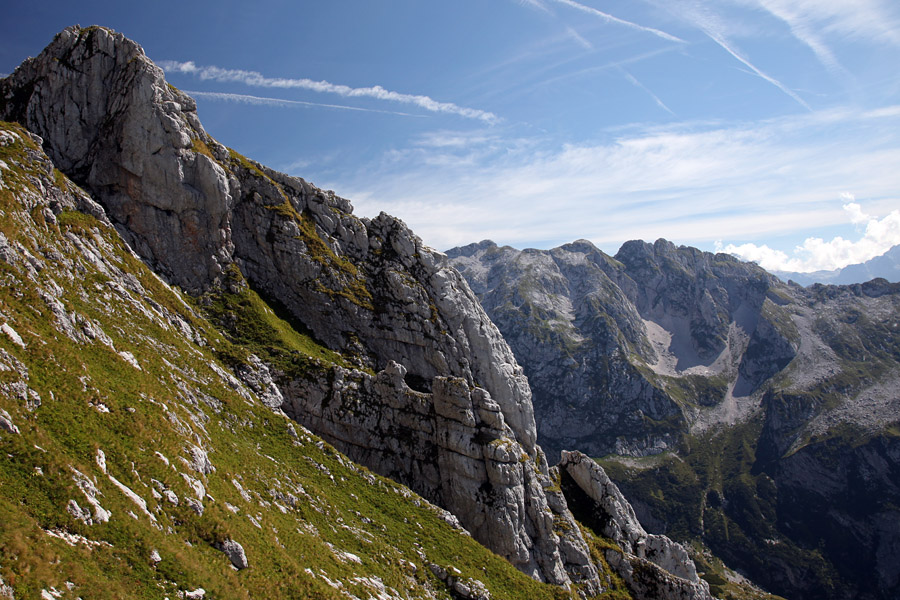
[(299, 495)]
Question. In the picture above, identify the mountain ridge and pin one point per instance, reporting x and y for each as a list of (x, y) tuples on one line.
[(351, 326)]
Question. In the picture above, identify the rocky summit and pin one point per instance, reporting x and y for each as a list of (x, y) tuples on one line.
[(756, 418), (216, 381)]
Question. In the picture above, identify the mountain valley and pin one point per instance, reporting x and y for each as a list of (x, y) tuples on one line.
[(757, 417)]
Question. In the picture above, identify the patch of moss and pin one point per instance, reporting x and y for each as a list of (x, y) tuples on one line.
[(76, 221), (253, 327), (246, 163), (200, 147), (353, 286), (616, 589)]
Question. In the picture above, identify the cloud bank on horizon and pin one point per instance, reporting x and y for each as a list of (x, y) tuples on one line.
[(816, 254), (699, 181)]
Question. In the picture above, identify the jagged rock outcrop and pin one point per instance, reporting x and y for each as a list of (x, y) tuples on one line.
[(453, 447), (111, 123), (653, 565), (198, 212)]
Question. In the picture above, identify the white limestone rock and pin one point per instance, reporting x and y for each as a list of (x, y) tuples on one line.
[(440, 445), (672, 572), (6, 423), (235, 553)]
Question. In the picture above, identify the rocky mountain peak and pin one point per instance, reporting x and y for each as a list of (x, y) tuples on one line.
[(470, 249), (110, 121)]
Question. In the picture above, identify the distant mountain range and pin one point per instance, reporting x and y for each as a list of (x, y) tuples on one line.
[(757, 418), (886, 266)]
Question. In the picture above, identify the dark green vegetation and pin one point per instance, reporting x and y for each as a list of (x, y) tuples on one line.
[(120, 379), (760, 514)]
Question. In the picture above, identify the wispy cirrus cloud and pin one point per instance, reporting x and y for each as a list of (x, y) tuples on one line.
[(872, 21), (817, 22), (265, 101), (633, 80), (616, 20), (804, 29), (535, 4), (256, 79), (733, 51), (578, 39), (704, 18), (693, 183)]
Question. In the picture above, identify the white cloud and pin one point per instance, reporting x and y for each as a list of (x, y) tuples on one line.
[(693, 183), (857, 216), (816, 254), (264, 101), (611, 19), (256, 79)]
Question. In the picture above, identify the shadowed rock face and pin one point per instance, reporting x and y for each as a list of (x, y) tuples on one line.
[(596, 500), (665, 349)]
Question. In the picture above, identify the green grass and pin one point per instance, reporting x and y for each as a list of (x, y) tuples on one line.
[(200, 147), (252, 326)]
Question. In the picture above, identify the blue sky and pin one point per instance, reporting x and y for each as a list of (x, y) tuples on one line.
[(768, 128)]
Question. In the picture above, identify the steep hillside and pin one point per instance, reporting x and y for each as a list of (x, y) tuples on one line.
[(756, 417), (134, 465), (146, 427)]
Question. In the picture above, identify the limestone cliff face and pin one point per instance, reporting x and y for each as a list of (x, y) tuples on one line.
[(623, 352), (653, 565), (198, 212), (452, 446), (191, 208)]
